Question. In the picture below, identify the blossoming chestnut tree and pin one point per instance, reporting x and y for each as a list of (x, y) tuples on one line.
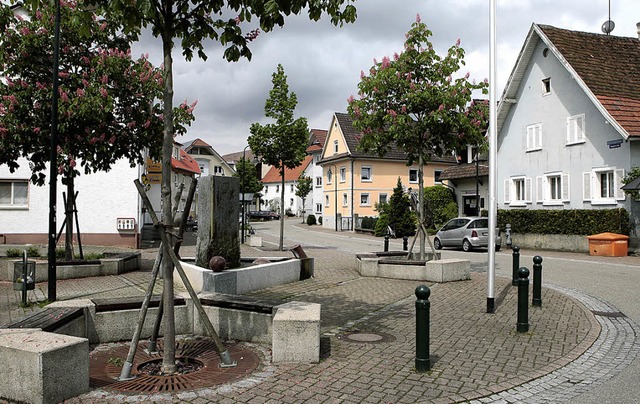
[(416, 102)]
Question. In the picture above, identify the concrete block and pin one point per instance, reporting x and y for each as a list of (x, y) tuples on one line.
[(255, 241), (236, 324), (296, 333), (41, 367), (119, 325), (448, 270)]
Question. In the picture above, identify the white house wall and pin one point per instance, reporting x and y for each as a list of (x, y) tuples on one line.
[(565, 99), (102, 199)]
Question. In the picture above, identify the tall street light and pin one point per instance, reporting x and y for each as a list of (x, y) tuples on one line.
[(53, 158)]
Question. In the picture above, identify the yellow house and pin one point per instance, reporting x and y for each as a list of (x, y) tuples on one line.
[(355, 181)]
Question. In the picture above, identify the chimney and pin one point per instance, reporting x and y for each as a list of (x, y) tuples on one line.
[(638, 29)]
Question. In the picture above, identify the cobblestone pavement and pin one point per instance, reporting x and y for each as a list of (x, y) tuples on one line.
[(574, 343)]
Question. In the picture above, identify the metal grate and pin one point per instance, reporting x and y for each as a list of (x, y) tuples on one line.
[(608, 313), (106, 365)]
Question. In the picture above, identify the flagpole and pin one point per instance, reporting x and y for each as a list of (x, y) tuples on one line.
[(492, 160)]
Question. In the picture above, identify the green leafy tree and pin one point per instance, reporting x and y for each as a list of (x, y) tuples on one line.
[(396, 214), (304, 186), (109, 105), (413, 101), (630, 176), (193, 23), (439, 206), (249, 182), (282, 144)]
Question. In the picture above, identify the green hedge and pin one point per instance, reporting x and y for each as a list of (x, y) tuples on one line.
[(368, 223), (575, 222)]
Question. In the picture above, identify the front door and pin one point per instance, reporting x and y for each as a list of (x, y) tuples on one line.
[(470, 206)]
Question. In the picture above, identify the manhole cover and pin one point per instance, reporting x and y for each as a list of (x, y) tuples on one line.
[(106, 365), (367, 337)]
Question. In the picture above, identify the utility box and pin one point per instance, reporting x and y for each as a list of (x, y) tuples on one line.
[(608, 245)]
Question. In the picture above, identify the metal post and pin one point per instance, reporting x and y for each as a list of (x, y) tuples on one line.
[(405, 243), (423, 362), (537, 281), (24, 278), (523, 300), (516, 265), (242, 191), (386, 243)]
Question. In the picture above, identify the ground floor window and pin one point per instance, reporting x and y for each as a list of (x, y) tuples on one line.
[(13, 194)]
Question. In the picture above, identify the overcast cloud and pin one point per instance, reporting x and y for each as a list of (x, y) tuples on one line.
[(323, 63)]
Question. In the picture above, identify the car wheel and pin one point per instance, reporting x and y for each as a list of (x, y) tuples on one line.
[(498, 247), (466, 245), (437, 244)]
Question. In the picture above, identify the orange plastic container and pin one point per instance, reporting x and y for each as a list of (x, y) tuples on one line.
[(608, 245)]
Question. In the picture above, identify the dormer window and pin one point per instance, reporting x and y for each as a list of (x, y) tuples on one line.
[(546, 86), (176, 152), (335, 147)]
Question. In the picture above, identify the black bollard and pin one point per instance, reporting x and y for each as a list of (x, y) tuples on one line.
[(386, 243), (423, 362), (405, 243), (516, 265), (523, 300), (537, 281)]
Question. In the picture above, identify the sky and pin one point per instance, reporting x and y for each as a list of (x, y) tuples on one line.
[(323, 62)]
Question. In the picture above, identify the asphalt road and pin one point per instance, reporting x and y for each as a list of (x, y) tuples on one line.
[(612, 279)]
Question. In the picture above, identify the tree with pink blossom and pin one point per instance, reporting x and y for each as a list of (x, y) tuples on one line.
[(416, 102), (109, 104)]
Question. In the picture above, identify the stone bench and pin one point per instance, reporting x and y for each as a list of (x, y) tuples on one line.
[(388, 266), (42, 364)]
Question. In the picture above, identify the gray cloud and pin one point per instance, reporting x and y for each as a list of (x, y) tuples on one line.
[(323, 62)]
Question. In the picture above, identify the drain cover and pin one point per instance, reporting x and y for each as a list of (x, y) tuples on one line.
[(106, 365), (367, 337)]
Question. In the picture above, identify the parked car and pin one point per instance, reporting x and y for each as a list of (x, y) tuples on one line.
[(466, 232), (262, 215)]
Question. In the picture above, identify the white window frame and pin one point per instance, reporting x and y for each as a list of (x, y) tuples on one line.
[(386, 198), (362, 169), (511, 191), (436, 176), (218, 170), (534, 137), (335, 147), (343, 174), (319, 207), (326, 201), (329, 176), (413, 170), (318, 182), (292, 187), (592, 186), (365, 199), (546, 86), (576, 129), (12, 195), (345, 199), (277, 189), (545, 191)]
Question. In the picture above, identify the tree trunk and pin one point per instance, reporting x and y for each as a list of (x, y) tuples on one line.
[(421, 203), (282, 211), (169, 357), (303, 209), (68, 219)]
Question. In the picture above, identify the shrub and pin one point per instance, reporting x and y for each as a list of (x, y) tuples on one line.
[(570, 222), (319, 219), (311, 219), (13, 253), (33, 251), (440, 206)]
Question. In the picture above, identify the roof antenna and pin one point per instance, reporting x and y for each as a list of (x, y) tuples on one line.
[(608, 25)]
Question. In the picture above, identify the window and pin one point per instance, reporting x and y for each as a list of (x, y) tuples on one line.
[(319, 207), (575, 129), (291, 188), (364, 200), (345, 200), (218, 170), (517, 191), (329, 176), (318, 181), (291, 202), (13, 194), (382, 198), (436, 176), (552, 188), (343, 174), (546, 86), (335, 147), (365, 173), (277, 188), (326, 200), (266, 189), (413, 176), (603, 185), (534, 137)]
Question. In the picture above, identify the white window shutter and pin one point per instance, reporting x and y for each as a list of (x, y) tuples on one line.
[(586, 186), (539, 189), (620, 195), (527, 190), (529, 137), (507, 185), (565, 188), (538, 136), (579, 128)]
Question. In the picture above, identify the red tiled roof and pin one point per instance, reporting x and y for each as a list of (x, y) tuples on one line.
[(185, 164), (464, 171), (273, 175), (609, 66)]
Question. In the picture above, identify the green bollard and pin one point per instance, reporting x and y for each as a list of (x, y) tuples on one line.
[(523, 300), (423, 362), (405, 243), (516, 265), (386, 243), (537, 281)]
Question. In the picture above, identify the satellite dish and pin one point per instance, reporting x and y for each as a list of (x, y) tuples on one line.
[(608, 26)]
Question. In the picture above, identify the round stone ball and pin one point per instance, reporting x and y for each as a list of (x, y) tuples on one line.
[(217, 263)]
